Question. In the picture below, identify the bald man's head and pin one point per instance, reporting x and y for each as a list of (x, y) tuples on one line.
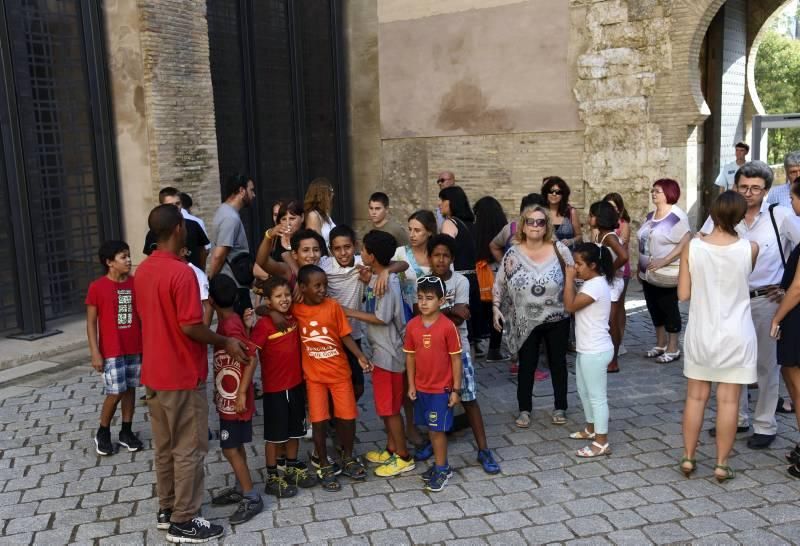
[(162, 221), (446, 179)]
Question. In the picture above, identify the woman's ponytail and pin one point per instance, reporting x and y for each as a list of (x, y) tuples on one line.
[(598, 255), (606, 264)]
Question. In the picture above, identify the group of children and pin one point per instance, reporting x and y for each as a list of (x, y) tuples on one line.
[(307, 335)]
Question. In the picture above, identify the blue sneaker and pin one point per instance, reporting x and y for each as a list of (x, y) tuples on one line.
[(426, 476), (424, 453), (439, 479), (486, 459)]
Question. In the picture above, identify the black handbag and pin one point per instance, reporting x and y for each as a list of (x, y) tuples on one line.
[(242, 268)]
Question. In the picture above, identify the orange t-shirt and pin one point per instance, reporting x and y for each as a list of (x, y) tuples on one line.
[(322, 328)]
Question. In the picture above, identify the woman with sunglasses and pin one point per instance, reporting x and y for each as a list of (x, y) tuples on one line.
[(529, 294), (662, 236), (563, 216)]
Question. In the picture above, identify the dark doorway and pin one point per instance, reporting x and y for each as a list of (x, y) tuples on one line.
[(276, 70), (57, 183)]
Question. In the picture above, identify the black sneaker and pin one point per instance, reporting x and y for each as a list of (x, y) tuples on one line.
[(496, 355), (760, 441), (131, 441), (102, 442), (194, 531), (163, 517), (278, 487), (227, 496), (739, 429), (247, 510), (300, 477)]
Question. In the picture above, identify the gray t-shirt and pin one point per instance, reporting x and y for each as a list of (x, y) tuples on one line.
[(393, 228), (386, 339), (456, 291), (227, 230)]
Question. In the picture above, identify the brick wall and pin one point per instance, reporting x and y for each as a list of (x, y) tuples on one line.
[(179, 100)]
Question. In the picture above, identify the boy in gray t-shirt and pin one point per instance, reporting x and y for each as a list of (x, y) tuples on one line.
[(385, 319)]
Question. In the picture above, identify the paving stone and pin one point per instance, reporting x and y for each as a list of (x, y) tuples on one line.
[(405, 517), (325, 530), (98, 499), (442, 511), (409, 498), (788, 530), (589, 525), (10, 498), (364, 524), (82, 487), (429, 533), (762, 537), (585, 507), (542, 534), (631, 536), (332, 510), (286, 535), (90, 531), (476, 507), (116, 511), (390, 536), (506, 520), (514, 501), (57, 505), (667, 533), (658, 493), (779, 513), (546, 514), (371, 504), (135, 493), (704, 525), (624, 499), (700, 506), (18, 510), (625, 519), (470, 527), (76, 517), (28, 524), (506, 539), (61, 535), (293, 516), (19, 538), (658, 513)]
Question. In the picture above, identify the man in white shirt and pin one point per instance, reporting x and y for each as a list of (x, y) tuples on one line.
[(753, 181), (728, 172), (186, 210), (781, 194)]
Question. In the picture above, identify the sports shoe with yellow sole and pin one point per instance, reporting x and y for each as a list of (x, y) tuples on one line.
[(377, 457), (394, 466)]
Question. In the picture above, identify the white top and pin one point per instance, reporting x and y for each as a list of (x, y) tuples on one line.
[(727, 175), (345, 287), (657, 238), (202, 281), (720, 343), (781, 195), (591, 322), (769, 267)]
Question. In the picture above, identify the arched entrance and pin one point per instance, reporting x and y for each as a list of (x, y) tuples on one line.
[(726, 60)]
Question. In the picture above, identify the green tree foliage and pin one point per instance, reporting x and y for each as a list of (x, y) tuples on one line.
[(777, 74)]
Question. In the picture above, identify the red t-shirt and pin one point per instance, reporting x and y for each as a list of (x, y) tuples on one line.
[(279, 354), (228, 373), (167, 297), (322, 328), (120, 331), (432, 346)]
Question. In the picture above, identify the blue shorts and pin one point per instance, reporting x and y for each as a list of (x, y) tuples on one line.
[(469, 390), (233, 434), (430, 410), (121, 373)]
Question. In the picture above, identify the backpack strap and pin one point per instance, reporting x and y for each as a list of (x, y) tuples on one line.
[(777, 232), (561, 262)]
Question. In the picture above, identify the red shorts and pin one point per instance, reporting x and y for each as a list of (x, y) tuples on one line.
[(388, 389), (344, 400)]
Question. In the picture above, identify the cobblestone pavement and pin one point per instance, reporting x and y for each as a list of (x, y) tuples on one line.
[(55, 490)]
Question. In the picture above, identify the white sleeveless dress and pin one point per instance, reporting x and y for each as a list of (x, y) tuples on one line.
[(720, 343)]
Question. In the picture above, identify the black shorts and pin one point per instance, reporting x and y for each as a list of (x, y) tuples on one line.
[(233, 434), (355, 367), (284, 414)]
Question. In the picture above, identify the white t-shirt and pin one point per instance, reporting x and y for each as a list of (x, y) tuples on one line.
[(727, 175), (591, 322), (345, 287), (657, 238), (202, 281), (456, 291)]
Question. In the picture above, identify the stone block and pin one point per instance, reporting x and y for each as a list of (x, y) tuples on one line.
[(429, 533)]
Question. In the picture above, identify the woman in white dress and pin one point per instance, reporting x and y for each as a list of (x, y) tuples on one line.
[(720, 344)]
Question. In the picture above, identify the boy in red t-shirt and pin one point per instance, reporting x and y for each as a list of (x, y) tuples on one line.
[(324, 333), (284, 398), (234, 397), (117, 351), (433, 363)]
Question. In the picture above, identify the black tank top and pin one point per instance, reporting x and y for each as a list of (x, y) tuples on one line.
[(464, 260)]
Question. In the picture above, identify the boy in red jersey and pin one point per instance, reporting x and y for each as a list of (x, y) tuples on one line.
[(234, 397), (433, 363), (284, 397), (324, 333), (117, 351)]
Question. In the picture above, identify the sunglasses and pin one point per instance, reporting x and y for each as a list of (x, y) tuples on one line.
[(555, 192), (432, 280), (441, 181), (535, 222)]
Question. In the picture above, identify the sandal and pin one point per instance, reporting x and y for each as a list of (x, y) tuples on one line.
[(587, 452), (582, 435), (666, 358), (729, 474), (794, 470), (656, 351), (687, 471), (613, 367), (354, 469), (559, 417), (794, 455), (782, 406), (327, 478), (524, 419)]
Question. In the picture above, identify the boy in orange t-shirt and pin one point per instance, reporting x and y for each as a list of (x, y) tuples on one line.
[(324, 333)]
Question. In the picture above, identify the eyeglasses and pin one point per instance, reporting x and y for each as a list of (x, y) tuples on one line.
[(535, 222), (555, 192), (655, 191), (754, 190), (432, 280)]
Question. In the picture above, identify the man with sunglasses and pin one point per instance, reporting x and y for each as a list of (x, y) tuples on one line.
[(444, 180), (776, 230)]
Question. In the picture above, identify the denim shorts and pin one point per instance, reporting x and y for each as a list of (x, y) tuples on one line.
[(469, 391), (121, 373)]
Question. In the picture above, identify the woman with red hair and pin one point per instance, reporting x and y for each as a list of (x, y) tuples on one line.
[(663, 234)]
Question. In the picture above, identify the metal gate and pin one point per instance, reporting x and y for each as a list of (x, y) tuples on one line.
[(276, 69), (58, 184)]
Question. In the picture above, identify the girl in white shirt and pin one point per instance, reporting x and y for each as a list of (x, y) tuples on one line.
[(592, 307)]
